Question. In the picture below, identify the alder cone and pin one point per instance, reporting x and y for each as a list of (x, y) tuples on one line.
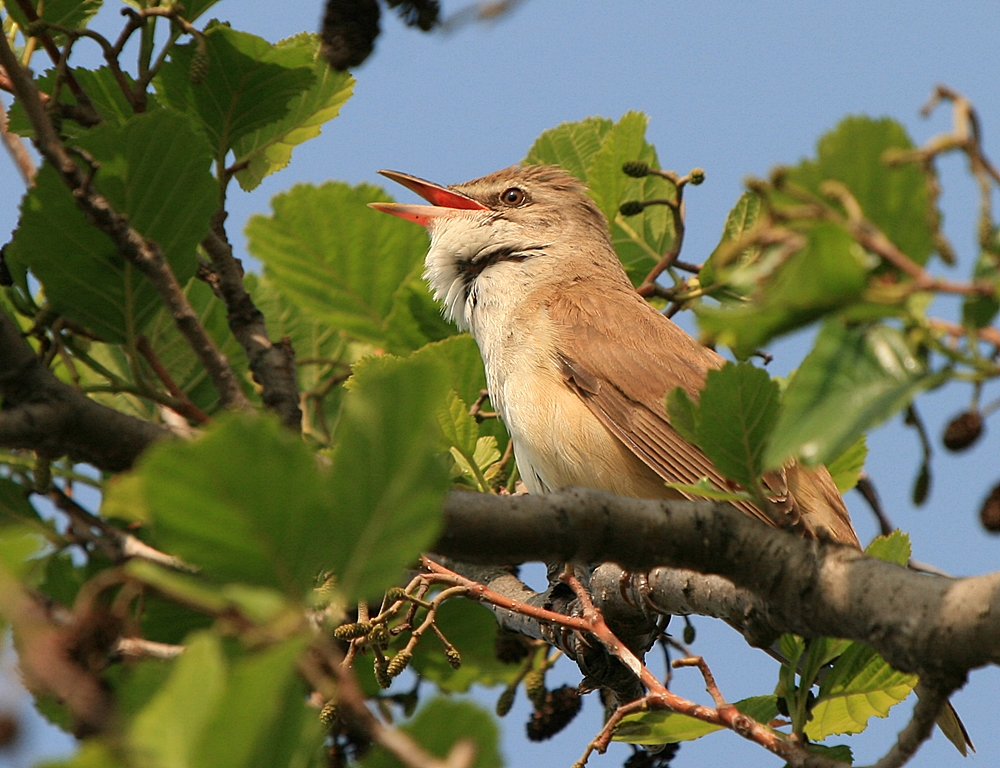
[(557, 711), (963, 431), (989, 514)]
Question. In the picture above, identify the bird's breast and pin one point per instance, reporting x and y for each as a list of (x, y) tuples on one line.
[(558, 441)]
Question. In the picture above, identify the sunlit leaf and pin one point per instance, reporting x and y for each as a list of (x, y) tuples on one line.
[(846, 468), (661, 727)]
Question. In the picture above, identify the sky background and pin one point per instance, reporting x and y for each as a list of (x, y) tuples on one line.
[(734, 88)]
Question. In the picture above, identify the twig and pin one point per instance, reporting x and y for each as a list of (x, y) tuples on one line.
[(125, 545), (476, 409), (145, 255), (184, 406), (337, 682), (648, 285), (866, 489), (139, 648)]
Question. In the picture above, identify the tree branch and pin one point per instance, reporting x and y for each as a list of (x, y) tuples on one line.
[(43, 414), (934, 626), (273, 365)]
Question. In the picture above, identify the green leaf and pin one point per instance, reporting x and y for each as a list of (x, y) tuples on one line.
[(438, 725), (739, 408), (594, 150), (72, 14), (154, 169), (854, 378), (269, 148), (841, 753), (705, 490), (683, 412), (415, 318), (979, 311), (829, 272), (250, 85), (245, 502), (741, 219), (570, 145), (846, 468), (894, 548), (341, 262), (894, 199), (386, 471), (458, 428), (661, 727), (472, 629), (166, 733), (859, 686), (92, 753), (262, 715)]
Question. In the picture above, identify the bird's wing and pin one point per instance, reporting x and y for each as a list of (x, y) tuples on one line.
[(623, 362)]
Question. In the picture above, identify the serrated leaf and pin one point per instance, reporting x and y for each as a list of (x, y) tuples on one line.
[(154, 169), (247, 502), (269, 148), (441, 722), (250, 85), (854, 379), (859, 686), (387, 474), (683, 412), (415, 318), (846, 468), (660, 727), (72, 14), (704, 489), (738, 411), (458, 428), (895, 199), (741, 219), (894, 548), (472, 629), (841, 753), (341, 262), (829, 272), (594, 150), (570, 145)]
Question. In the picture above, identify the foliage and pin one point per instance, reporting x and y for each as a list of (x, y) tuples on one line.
[(276, 542)]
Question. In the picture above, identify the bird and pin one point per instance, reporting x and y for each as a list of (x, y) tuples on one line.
[(577, 363)]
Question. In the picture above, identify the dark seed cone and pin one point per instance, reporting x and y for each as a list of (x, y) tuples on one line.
[(989, 515), (644, 759), (557, 711), (349, 31), (511, 647), (631, 208), (635, 168), (423, 14), (963, 431)]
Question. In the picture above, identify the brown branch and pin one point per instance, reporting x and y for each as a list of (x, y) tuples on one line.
[(145, 255), (43, 414), (936, 627), (929, 705), (273, 365), (646, 288)]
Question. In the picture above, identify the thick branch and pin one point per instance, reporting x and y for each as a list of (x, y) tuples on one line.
[(42, 413), (935, 626), (273, 365)]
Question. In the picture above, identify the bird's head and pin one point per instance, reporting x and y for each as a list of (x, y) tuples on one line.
[(503, 234)]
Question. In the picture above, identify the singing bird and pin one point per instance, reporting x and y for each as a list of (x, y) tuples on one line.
[(577, 363)]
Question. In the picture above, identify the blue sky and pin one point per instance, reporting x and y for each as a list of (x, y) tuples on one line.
[(734, 88)]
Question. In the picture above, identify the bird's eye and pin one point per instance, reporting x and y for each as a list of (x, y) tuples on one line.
[(512, 196)]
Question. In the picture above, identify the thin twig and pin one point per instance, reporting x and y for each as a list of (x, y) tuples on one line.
[(184, 406), (866, 489)]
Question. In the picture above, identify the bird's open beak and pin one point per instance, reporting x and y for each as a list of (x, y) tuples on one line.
[(445, 202)]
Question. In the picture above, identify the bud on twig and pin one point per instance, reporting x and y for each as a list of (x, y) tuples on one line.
[(505, 702)]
